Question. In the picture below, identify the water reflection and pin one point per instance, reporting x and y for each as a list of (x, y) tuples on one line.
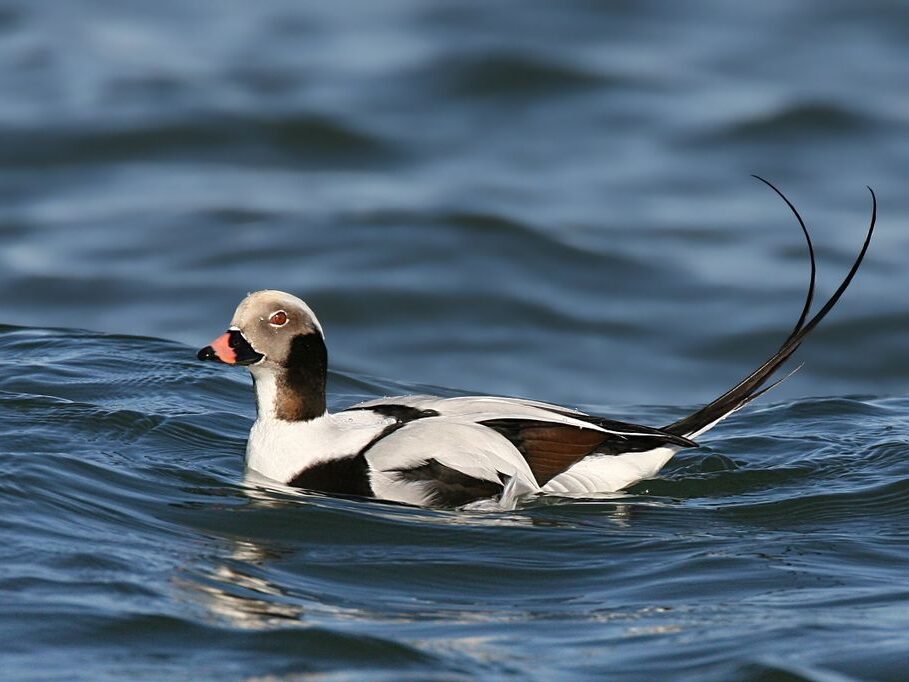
[(230, 591), (287, 568)]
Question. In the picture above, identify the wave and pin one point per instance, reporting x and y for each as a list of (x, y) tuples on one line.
[(506, 75), (804, 120), (303, 139), (136, 526)]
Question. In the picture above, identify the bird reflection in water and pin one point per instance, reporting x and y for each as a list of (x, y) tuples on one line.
[(231, 584)]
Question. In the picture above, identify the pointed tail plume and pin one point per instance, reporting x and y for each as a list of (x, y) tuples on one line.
[(753, 385)]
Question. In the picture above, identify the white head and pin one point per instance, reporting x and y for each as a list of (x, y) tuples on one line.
[(278, 336)]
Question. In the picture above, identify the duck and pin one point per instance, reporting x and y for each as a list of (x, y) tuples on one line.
[(451, 452)]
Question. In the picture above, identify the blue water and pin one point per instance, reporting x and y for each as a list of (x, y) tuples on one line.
[(549, 200)]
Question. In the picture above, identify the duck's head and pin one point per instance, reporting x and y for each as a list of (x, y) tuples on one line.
[(278, 336)]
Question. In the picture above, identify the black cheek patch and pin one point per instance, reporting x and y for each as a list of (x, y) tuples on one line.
[(246, 354)]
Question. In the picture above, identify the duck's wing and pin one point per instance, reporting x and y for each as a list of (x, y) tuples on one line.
[(441, 462), (492, 439)]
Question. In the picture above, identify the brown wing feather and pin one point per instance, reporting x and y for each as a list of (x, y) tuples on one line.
[(550, 448)]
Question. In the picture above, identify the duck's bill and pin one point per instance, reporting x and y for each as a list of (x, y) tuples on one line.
[(231, 348)]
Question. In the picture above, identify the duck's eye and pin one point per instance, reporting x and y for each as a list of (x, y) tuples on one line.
[(278, 319)]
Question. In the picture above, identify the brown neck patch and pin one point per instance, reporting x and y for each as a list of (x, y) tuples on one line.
[(301, 381)]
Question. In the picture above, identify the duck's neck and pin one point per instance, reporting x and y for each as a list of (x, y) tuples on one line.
[(294, 391)]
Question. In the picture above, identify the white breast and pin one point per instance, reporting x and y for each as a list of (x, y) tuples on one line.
[(280, 450)]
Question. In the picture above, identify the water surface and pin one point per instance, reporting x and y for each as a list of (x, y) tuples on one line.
[(533, 199)]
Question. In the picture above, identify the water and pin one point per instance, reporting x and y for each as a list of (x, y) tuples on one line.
[(535, 199)]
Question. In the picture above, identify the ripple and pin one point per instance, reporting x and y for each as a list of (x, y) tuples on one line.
[(307, 139), (881, 501), (163, 636), (505, 75), (804, 120)]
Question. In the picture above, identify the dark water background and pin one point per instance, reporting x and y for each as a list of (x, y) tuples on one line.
[(549, 200)]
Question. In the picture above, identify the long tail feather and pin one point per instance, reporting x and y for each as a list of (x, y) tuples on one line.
[(749, 388)]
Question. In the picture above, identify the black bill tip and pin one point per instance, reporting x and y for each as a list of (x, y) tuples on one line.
[(208, 353)]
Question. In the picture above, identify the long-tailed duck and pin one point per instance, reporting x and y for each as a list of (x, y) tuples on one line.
[(448, 452)]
